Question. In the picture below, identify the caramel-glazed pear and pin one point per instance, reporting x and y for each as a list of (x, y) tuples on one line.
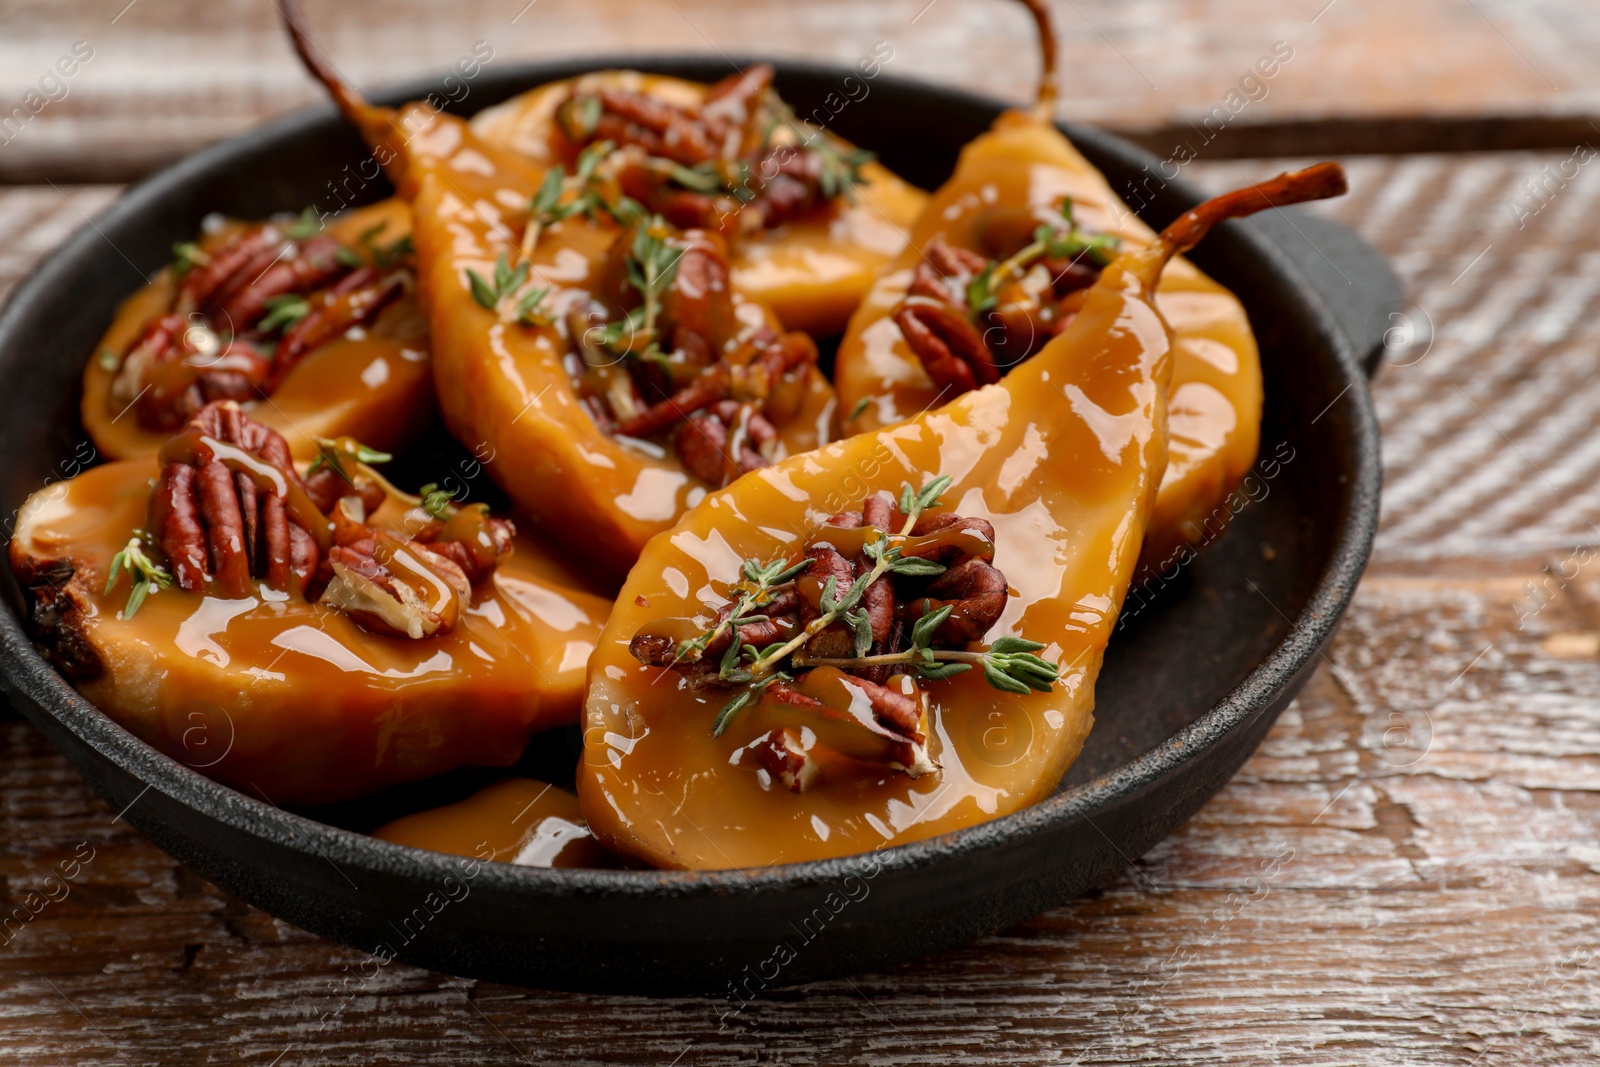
[(791, 752), (600, 354), (312, 324), (1001, 260), (297, 700), (811, 264)]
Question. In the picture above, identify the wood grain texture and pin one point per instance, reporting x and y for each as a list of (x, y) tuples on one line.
[(170, 75), (1406, 872)]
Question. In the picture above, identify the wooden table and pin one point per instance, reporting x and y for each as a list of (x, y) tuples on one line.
[(1432, 799)]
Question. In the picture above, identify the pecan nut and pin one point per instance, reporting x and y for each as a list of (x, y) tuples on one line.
[(353, 301), (292, 268), (781, 755), (887, 731), (205, 348), (724, 441), (975, 590), (219, 520), (473, 541), (949, 346), (382, 597)]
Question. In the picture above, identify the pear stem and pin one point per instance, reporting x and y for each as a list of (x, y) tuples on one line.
[(1317, 182), (1044, 105), (347, 97)]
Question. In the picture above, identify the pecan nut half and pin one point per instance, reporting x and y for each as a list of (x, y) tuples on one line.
[(387, 585), (223, 517), (724, 441), (781, 755), (950, 347), (858, 719)]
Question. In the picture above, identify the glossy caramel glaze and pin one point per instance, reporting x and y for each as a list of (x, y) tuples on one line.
[(1063, 457), (507, 391), (1215, 416), (373, 383), (292, 700), (519, 820), (812, 273)]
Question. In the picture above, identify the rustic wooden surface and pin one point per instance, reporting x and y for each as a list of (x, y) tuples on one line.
[(170, 75), (1427, 810)]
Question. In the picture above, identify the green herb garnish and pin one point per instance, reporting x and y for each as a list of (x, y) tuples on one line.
[(308, 223), (1011, 664), (1053, 242), (145, 575), (335, 453), (284, 311), (186, 256), (506, 281), (437, 502)]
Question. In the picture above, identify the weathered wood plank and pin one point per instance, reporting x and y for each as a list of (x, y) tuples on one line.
[(167, 77)]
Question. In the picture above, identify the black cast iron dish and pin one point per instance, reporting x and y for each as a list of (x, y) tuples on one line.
[(1191, 684)]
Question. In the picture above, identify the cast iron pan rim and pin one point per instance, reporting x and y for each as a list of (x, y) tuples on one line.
[(26, 673)]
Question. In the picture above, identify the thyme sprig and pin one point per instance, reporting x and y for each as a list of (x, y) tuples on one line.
[(652, 267), (494, 293), (336, 453), (887, 558), (841, 168), (145, 575), (1010, 664), (1049, 241), (490, 292), (440, 503), (759, 581), (551, 204)]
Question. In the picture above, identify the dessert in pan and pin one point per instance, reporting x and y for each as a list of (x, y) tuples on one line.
[(312, 324), (609, 287)]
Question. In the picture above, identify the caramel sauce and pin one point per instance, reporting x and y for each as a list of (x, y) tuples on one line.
[(409, 568), (850, 542), (1063, 457), (812, 272), (519, 820), (374, 384), (507, 391), (294, 701), (1215, 416)]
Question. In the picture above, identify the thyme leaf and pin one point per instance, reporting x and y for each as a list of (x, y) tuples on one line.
[(437, 502), (334, 453), (491, 293), (308, 223), (186, 256), (284, 311), (145, 575)]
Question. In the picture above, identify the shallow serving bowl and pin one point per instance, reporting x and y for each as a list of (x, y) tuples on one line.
[(1190, 686)]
